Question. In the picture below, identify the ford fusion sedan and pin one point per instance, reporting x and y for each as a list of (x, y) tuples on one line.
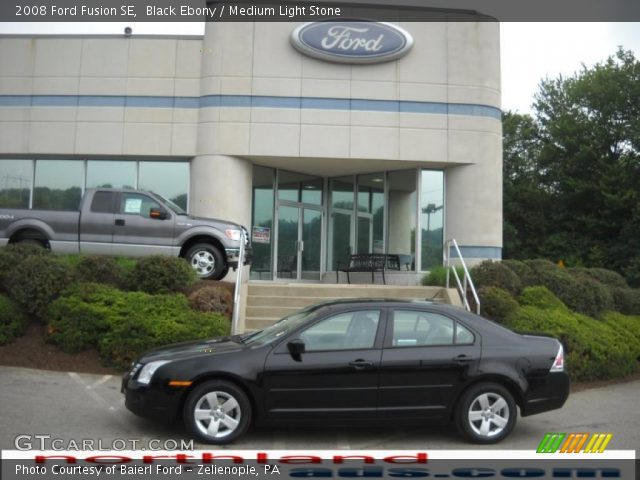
[(353, 362)]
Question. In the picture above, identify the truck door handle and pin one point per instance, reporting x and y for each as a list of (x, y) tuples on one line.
[(463, 359), (119, 222), (360, 364)]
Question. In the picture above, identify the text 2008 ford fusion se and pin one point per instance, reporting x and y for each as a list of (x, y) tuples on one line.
[(355, 362)]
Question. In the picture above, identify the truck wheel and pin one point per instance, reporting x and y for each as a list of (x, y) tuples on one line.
[(31, 241), (207, 261)]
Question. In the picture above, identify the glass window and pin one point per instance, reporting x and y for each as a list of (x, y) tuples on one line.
[(352, 330), (169, 179), (103, 202), (298, 187), (463, 335), (262, 222), (58, 184), (15, 183), (401, 228), (432, 218), (111, 174), (412, 328), (370, 213), (340, 221), (137, 204)]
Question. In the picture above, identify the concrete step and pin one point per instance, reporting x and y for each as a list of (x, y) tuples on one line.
[(341, 291), (271, 312), (258, 323), (277, 301)]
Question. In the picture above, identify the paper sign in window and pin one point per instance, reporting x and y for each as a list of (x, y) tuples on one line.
[(133, 205)]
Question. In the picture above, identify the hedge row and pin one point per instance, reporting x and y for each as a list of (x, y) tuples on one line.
[(591, 291), (123, 325), (119, 306), (608, 347)]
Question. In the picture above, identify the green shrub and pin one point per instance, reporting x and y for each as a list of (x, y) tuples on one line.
[(495, 274), (496, 303), (522, 271), (13, 323), (37, 281), (123, 325), (626, 300), (80, 316), (437, 277), (161, 274), (606, 277), (540, 297), (538, 266), (11, 256), (153, 321), (627, 326), (583, 294), (100, 269), (212, 299), (594, 349)]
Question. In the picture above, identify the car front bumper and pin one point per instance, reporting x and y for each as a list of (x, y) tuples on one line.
[(233, 256), (151, 401)]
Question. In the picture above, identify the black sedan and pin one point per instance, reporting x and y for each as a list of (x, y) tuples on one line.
[(354, 362)]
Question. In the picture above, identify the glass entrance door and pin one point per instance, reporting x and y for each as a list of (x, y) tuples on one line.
[(299, 242)]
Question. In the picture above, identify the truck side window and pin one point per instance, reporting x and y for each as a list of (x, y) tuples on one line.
[(136, 204), (102, 202)]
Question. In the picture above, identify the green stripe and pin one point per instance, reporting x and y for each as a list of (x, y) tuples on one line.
[(551, 442)]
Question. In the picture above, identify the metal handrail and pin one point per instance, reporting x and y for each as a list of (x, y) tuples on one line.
[(467, 283), (236, 293)]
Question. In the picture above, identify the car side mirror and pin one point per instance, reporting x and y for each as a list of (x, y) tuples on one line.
[(296, 348), (158, 214)]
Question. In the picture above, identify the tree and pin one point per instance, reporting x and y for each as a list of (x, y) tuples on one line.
[(572, 171)]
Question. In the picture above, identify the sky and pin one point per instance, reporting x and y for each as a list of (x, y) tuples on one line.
[(529, 51)]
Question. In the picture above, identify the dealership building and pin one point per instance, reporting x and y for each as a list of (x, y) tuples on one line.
[(324, 139)]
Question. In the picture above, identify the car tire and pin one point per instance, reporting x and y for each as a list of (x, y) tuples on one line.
[(486, 413), (217, 412), (207, 260)]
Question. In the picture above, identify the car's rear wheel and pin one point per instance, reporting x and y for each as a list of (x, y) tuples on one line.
[(217, 412), (486, 413), (207, 260)]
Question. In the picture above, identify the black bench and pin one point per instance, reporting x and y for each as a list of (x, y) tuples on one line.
[(369, 262)]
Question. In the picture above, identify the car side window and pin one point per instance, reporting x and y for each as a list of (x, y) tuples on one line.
[(137, 204), (346, 331), (103, 202), (463, 335), (412, 328)]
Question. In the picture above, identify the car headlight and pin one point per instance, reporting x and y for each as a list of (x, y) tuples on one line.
[(233, 234), (148, 370)]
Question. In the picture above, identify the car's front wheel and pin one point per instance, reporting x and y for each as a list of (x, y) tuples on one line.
[(217, 412), (486, 413)]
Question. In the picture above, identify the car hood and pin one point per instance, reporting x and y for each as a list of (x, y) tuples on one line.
[(184, 350), (207, 220)]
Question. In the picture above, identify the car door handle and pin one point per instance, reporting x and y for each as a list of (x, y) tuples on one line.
[(360, 364), (463, 359), (119, 222)]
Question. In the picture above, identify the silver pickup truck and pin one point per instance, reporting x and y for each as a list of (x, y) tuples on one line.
[(129, 223)]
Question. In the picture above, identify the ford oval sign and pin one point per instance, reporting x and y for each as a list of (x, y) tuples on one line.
[(352, 41)]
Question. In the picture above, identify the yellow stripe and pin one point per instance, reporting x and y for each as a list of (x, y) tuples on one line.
[(608, 438), (590, 444), (596, 445)]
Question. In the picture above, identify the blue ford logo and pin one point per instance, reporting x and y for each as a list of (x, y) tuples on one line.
[(352, 42)]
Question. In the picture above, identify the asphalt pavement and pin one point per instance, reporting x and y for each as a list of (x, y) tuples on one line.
[(76, 407)]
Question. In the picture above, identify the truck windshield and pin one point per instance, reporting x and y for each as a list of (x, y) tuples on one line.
[(174, 208)]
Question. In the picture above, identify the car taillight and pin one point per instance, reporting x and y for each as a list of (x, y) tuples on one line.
[(558, 363)]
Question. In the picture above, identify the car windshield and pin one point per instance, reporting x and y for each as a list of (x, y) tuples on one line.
[(281, 327), (175, 208)]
